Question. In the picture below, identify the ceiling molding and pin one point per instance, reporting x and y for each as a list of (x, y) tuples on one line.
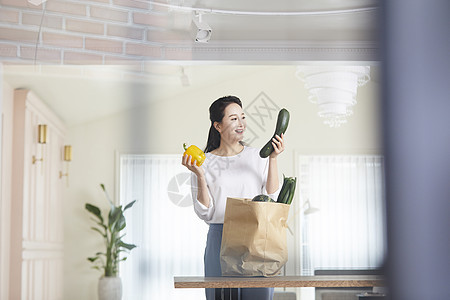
[(340, 51)]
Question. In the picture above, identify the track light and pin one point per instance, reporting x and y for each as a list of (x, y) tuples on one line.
[(201, 31)]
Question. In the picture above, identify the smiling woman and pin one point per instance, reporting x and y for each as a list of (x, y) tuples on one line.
[(231, 169)]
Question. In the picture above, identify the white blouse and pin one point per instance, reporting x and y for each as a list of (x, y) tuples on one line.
[(243, 176)]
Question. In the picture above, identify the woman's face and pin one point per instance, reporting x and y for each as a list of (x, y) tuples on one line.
[(233, 124)]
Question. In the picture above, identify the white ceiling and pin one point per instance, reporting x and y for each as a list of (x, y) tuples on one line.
[(266, 21), (80, 94)]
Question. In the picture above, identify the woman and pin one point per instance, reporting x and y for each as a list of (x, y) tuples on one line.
[(231, 169)]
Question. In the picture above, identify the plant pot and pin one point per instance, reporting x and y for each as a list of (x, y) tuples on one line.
[(110, 288)]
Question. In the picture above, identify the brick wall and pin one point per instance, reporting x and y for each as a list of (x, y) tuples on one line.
[(89, 32)]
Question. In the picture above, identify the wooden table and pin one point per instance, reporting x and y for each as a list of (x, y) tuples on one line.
[(227, 286)]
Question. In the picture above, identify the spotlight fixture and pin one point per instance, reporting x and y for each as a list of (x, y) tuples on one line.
[(201, 31)]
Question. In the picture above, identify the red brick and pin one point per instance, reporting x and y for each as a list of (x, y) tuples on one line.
[(62, 40), (18, 35), (71, 8), (35, 19), (82, 58), (143, 50), (8, 16), (109, 14), (159, 8), (41, 54), (8, 50), (19, 3), (132, 3), (85, 26), (125, 32), (151, 19), (104, 45)]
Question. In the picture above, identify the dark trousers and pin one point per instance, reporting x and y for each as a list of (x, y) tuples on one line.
[(212, 267)]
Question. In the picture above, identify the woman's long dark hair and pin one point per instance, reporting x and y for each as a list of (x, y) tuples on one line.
[(216, 114)]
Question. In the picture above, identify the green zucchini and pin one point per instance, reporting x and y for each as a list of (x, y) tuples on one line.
[(282, 124), (287, 190), (283, 191), (292, 190), (262, 198)]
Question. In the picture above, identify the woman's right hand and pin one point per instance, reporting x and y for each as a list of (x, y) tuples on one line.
[(190, 163)]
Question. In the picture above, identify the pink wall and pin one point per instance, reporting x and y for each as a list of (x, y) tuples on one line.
[(88, 32)]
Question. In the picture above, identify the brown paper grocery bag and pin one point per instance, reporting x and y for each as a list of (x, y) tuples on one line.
[(254, 238)]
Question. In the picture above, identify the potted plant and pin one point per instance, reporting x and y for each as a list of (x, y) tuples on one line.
[(110, 285)]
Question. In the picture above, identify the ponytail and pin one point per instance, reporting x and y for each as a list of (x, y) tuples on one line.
[(213, 139)]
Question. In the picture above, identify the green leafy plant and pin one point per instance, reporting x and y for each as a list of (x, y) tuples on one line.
[(110, 230)]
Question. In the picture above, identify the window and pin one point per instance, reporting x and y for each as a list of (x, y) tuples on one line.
[(348, 229), (169, 235)]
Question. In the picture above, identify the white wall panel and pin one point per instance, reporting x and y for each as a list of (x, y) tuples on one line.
[(5, 196), (37, 238)]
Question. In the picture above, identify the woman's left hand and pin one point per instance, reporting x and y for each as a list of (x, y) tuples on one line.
[(278, 145)]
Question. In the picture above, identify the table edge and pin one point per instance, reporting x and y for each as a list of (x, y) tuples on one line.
[(279, 281)]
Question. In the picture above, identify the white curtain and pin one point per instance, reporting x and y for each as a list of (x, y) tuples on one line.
[(162, 223), (348, 230)]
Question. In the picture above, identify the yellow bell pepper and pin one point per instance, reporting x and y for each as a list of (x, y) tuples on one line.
[(197, 154)]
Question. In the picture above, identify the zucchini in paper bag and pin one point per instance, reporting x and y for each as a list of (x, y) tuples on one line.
[(287, 190), (263, 198)]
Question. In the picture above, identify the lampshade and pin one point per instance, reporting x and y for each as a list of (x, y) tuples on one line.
[(67, 153), (333, 89), (309, 209), (42, 134)]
